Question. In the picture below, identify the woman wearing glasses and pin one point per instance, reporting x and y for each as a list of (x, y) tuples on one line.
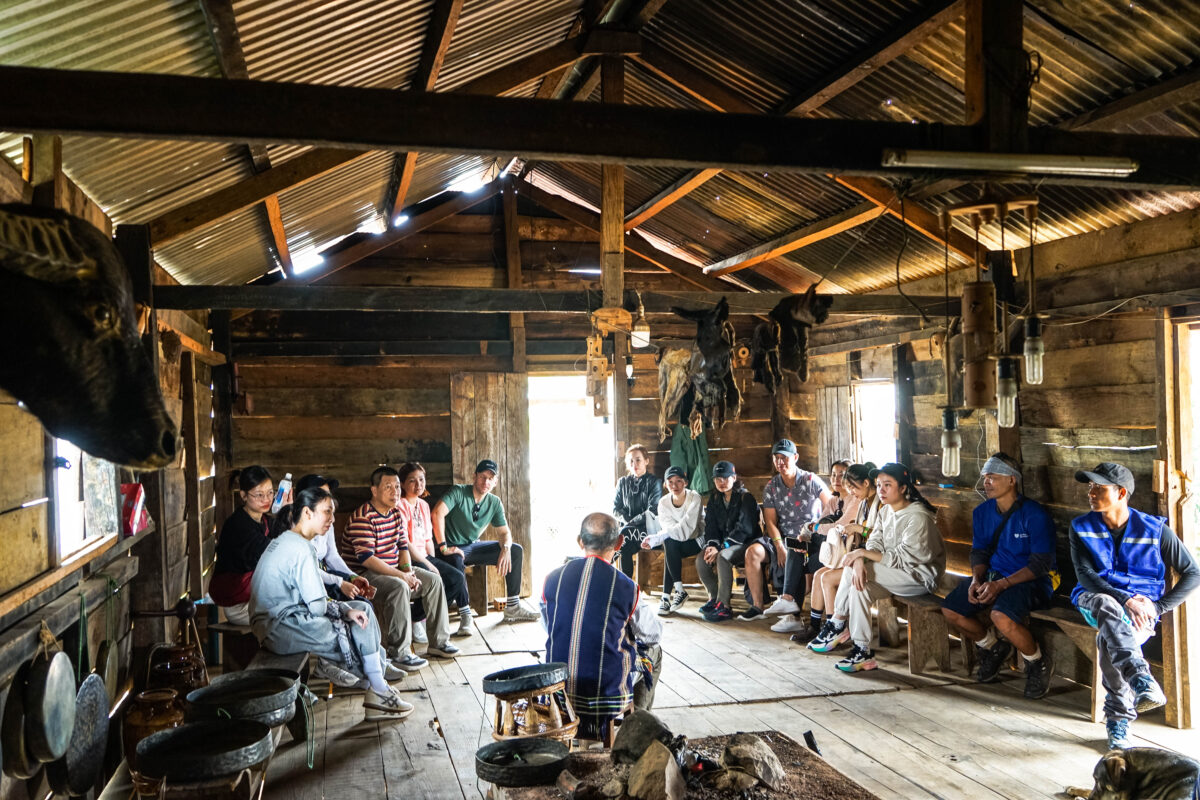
[(243, 538)]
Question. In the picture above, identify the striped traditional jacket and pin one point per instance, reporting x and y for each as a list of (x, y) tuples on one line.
[(588, 605)]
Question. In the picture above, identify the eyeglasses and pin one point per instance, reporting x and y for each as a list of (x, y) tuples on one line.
[(260, 495)]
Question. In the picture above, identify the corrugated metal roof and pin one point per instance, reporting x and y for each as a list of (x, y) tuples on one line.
[(492, 33), (233, 250)]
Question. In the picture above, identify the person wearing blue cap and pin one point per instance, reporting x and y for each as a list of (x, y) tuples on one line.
[(676, 529), (1012, 574), (1121, 556), (731, 524), (465, 512)]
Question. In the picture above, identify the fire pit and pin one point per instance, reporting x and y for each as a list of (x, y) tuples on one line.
[(531, 703)]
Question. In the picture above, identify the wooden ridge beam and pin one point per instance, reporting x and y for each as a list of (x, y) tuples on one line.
[(794, 240), (280, 297), (433, 54), (187, 108), (1177, 90), (862, 63), (914, 215), (343, 258)]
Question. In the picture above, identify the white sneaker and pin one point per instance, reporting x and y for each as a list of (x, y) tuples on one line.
[(781, 606), (392, 673), (390, 704), (465, 627), (419, 636), (790, 624), (338, 676), (520, 613)]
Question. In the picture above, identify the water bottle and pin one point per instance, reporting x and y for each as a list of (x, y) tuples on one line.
[(285, 486)]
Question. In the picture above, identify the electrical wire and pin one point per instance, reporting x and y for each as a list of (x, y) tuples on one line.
[(899, 256), (854, 244)]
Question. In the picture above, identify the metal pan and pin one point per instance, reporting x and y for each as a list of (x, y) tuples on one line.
[(49, 706), (78, 769), (17, 763), (200, 750)]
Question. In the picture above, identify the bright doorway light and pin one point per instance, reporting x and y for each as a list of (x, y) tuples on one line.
[(874, 421)]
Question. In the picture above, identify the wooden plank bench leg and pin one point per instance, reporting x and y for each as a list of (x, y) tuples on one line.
[(477, 587), (887, 616), (1084, 638), (928, 639)]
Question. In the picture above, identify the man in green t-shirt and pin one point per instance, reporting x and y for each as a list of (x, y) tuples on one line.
[(460, 517)]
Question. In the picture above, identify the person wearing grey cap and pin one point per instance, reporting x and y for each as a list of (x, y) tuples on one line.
[(1121, 557), (676, 529), (731, 524), (465, 512), (1012, 573)]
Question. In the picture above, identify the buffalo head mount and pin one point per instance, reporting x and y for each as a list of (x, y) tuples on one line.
[(781, 344), (69, 335), (716, 392)]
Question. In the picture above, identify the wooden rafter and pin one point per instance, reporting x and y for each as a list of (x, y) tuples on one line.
[(523, 70), (862, 63), (1177, 90), (227, 45), (915, 216), (433, 53), (343, 258), (794, 240)]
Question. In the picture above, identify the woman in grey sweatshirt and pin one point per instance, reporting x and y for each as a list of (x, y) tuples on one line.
[(904, 556)]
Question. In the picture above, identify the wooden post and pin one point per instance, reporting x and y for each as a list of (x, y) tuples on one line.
[(997, 88), (191, 476), (902, 374), (222, 381), (512, 250), (1174, 623), (612, 258)]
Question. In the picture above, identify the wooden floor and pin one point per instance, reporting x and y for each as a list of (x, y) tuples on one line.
[(898, 735)]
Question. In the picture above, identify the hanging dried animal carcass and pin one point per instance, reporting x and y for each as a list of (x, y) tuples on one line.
[(781, 344), (709, 371)]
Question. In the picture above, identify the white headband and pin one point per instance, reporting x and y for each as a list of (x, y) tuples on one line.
[(998, 467)]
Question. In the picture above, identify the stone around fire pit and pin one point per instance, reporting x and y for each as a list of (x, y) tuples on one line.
[(752, 755), (635, 734), (734, 780), (656, 776)]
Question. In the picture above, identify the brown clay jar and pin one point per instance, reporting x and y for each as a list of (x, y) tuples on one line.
[(151, 711)]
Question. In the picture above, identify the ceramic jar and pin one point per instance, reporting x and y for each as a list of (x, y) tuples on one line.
[(151, 711)]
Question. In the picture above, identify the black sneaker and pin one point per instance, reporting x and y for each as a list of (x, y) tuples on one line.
[(708, 608), (1037, 676), (807, 635), (677, 599), (664, 606), (753, 612), (720, 613), (991, 659)]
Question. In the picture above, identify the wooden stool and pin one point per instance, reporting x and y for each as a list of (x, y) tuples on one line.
[(544, 713)]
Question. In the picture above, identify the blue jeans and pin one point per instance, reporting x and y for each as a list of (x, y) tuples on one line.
[(488, 553), (1119, 648)]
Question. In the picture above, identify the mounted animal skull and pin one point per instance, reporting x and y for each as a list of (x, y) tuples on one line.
[(781, 344), (716, 393), (74, 357)]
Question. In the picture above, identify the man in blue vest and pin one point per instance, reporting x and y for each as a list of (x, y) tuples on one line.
[(1012, 566), (597, 625), (1121, 556)]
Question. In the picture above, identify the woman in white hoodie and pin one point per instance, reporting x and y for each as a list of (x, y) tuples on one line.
[(679, 522), (904, 556)]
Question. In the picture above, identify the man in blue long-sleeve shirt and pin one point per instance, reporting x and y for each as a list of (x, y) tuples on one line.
[(1121, 556)]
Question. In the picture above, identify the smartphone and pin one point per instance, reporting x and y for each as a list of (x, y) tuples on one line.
[(794, 543)]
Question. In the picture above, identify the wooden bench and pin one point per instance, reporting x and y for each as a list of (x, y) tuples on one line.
[(479, 590), (296, 662), (1068, 620), (928, 633)]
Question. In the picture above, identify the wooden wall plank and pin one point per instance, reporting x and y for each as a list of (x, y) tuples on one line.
[(516, 468), (287, 427), (25, 533), (309, 375), (1130, 406), (23, 453), (351, 451), (326, 402)]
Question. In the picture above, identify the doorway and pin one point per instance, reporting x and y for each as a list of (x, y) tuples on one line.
[(570, 468)]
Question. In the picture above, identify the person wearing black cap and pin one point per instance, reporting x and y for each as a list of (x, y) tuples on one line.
[(730, 525), (637, 497), (1012, 566), (675, 529), (904, 556), (461, 515), (792, 501), (1121, 556)]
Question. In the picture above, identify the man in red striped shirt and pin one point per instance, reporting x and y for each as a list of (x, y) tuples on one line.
[(375, 543)]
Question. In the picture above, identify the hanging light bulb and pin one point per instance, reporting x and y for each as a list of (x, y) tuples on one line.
[(951, 443), (1035, 350), (639, 337), (629, 367), (1006, 392)]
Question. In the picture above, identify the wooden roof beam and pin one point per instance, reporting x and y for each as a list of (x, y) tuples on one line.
[(915, 216), (1175, 91), (794, 240)]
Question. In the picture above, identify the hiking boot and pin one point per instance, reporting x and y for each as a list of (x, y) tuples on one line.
[(753, 612), (465, 626), (1148, 694), (790, 624), (338, 675), (992, 659), (664, 605), (720, 613), (1037, 677), (409, 662), (708, 608), (390, 704), (806, 634), (781, 606), (419, 635), (830, 637), (1118, 734), (520, 613), (678, 598), (860, 658)]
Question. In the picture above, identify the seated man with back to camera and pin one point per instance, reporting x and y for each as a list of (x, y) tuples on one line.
[(461, 516), (597, 625), (1012, 566), (1121, 556)]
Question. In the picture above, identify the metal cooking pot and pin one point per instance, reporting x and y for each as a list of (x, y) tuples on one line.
[(17, 762), (204, 749), (78, 769), (527, 678), (49, 706), (244, 695)]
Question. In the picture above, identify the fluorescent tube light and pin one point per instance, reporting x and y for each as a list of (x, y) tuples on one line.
[(1036, 163)]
